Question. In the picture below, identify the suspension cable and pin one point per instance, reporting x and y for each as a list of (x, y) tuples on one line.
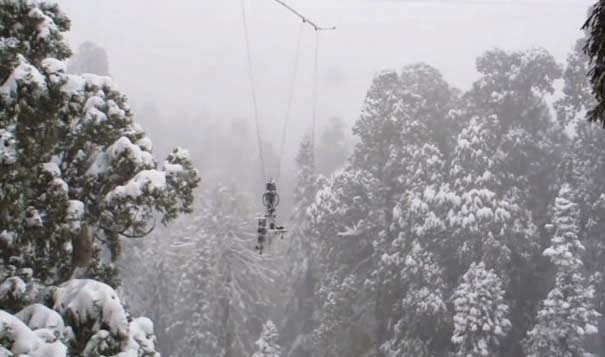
[(290, 100), (253, 91), (251, 77), (315, 95), (305, 19)]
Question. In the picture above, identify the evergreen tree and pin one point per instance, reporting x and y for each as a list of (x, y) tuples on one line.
[(220, 289), (333, 146), (577, 99), (436, 183), (524, 152), (425, 318), (244, 277), (487, 223), (567, 314), (342, 222), (376, 155), (336, 320), (405, 121), (480, 321), (80, 318), (77, 173), (595, 29), (377, 128), (77, 177), (267, 343), (298, 323), (416, 161), (416, 257), (192, 319), (583, 168), (149, 280), (306, 176), (527, 146)]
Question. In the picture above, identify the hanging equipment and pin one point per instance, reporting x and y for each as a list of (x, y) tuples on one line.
[(267, 226)]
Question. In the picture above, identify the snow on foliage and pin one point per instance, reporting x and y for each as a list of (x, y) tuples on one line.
[(39, 317), (424, 321), (440, 181), (202, 282), (83, 164), (567, 314), (480, 320), (345, 195), (85, 318), (267, 344), (141, 339), (66, 143), (336, 310), (88, 302), (489, 224), (23, 75), (18, 338), (12, 288)]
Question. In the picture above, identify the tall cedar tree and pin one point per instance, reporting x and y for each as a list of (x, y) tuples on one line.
[(567, 314), (583, 168), (594, 49), (77, 173), (297, 326), (480, 320), (268, 342)]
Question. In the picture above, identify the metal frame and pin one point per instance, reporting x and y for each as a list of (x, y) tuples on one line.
[(304, 18)]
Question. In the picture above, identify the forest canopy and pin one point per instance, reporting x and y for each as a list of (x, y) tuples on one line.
[(440, 221)]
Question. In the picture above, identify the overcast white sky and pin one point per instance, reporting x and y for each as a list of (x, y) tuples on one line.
[(188, 55)]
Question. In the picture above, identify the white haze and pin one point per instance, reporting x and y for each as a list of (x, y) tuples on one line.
[(187, 56)]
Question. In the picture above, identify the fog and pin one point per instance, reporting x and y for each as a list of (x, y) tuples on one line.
[(188, 56), (183, 63), (448, 203)]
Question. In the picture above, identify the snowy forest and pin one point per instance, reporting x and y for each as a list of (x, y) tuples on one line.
[(437, 222)]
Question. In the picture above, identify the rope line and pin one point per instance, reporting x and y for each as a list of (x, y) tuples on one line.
[(253, 91), (305, 19), (315, 95), (290, 100)]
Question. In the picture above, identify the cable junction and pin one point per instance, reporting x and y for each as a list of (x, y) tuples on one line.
[(304, 18)]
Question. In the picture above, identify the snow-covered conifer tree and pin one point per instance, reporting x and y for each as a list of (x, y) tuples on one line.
[(485, 219), (298, 322), (267, 345), (80, 318), (402, 129), (336, 314), (594, 27), (225, 283), (423, 327), (341, 221), (577, 98), (306, 176), (512, 89), (505, 174), (481, 315), (77, 177), (567, 315), (582, 167), (377, 128), (77, 173)]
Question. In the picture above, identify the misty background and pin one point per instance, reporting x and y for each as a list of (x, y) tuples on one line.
[(183, 66), (187, 59)]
